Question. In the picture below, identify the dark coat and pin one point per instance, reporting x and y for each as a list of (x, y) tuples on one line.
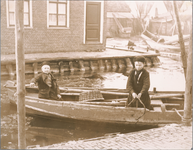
[(140, 85), (44, 90)]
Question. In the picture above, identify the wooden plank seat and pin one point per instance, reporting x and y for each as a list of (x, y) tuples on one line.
[(157, 108), (156, 102), (158, 105)]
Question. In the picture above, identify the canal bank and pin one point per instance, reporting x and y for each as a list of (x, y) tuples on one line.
[(110, 59), (172, 136)]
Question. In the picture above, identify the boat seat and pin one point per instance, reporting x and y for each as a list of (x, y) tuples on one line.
[(159, 103), (157, 109), (156, 102)]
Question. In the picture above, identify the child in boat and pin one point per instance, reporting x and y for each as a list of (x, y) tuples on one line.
[(47, 84), (138, 84)]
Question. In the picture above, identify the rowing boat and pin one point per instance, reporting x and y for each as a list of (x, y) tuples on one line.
[(158, 43), (106, 106)]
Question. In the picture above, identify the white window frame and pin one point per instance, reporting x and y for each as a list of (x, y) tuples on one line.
[(101, 21), (67, 19), (30, 11)]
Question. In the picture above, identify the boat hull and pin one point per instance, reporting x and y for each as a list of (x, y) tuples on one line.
[(157, 44), (99, 113)]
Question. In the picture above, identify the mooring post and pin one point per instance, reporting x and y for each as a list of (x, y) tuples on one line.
[(120, 64), (155, 61), (10, 71), (180, 36), (35, 66), (20, 69), (154, 90), (101, 66), (114, 64), (128, 63), (92, 65), (71, 66), (60, 63), (107, 66), (81, 64), (148, 62), (187, 117)]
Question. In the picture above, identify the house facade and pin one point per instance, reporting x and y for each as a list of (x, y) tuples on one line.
[(55, 26)]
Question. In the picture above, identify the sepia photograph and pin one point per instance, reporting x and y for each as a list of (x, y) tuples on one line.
[(86, 74)]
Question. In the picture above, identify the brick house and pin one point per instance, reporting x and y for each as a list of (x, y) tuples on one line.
[(55, 26)]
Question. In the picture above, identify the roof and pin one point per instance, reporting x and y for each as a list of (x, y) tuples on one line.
[(117, 6)]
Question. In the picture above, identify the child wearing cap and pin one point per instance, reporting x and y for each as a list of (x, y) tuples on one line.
[(47, 84), (138, 84)]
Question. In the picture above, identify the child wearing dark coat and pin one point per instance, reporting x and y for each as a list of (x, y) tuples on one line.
[(138, 84), (47, 84)]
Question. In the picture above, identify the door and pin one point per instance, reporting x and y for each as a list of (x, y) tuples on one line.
[(93, 13)]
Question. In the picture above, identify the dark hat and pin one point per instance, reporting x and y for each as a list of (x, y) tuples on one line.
[(139, 58), (45, 63)]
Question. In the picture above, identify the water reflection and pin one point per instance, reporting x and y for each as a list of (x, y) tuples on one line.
[(168, 76), (41, 131)]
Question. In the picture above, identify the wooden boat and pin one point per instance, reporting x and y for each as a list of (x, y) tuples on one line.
[(158, 43), (103, 105), (175, 39)]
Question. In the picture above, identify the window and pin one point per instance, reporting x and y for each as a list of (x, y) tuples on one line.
[(58, 13), (11, 13), (26, 13)]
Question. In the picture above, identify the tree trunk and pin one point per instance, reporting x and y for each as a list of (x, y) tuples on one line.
[(187, 118), (20, 71), (181, 40)]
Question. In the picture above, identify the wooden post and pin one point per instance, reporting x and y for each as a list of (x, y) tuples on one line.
[(148, 62), (92, 65), (101, 65), (107, 66), (187, 117), (10, 71), (166, 32), (71, 66), (128, 63), (20, 69), (114, 64), (155, 61), (35, 65), (181, 40), (81, 64)]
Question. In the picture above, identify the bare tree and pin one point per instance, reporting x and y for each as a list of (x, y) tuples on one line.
[(142, 9), (169, 6)]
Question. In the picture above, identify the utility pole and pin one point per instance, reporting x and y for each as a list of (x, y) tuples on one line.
[(20, 71), (187, 117), (181, 40)]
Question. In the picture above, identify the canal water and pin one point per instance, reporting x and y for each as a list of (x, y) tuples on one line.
[(42, 131)]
